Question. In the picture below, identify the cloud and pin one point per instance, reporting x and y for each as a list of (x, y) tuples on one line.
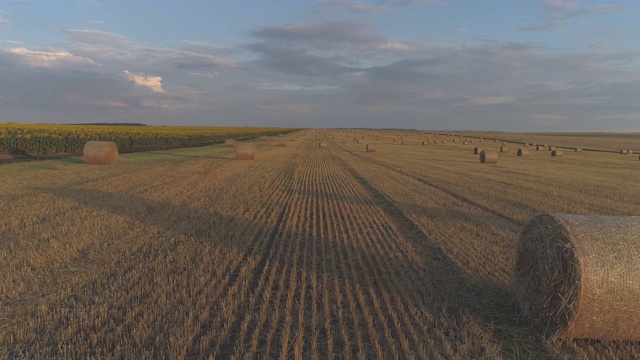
[(3, 20), (288, 60), (38, 58), (556, 13), (330, 35), (360, 6), (152, 82), (11, 42)]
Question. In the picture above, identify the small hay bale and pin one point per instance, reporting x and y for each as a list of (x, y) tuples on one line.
[(455, 140), (538, 147), (523, 152), (322, 144), (230, 143), (577, 276), (464, 143), (477, 150), (497, 140), (623, 151), (556, 153), (424, 142), (264, 138), (578, 149), (282, 144), (629, 151), (359, 141), (488, 157), (371, 148), (402, 143), (245, 151), (551, 148), (504, 148), (100, 153)]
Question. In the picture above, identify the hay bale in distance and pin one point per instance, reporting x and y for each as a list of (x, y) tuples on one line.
[(557, 153), (322, 144), (538, 147), (245, 151), (629, 151), (577, 276), (551, 148), (372, 147), (504, 148), (523, 152), (477, 150), (488, 157), (282, 144), (230, 143), (578, 149), (100, 153), (464, 143)]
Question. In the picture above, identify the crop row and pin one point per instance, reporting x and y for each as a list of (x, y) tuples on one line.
[(49, 139)]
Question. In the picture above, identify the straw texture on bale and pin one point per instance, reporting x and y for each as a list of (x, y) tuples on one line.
[(322, 144), (557, 153), (245, 151), (488, 157), (523, 152), (477, 150), (371, 148), (578, 276), (230, 143), (100, 153), (504, 148)]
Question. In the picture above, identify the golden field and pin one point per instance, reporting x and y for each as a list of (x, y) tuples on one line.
[(305, 252)]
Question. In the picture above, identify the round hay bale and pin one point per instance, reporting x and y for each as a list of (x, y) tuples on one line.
[(464, 143), (359, 141), (577, 276), (100, 153), (629, 151), (504, 148), (402, 143), (372, 147), (455, 140), (497, 140), (476, 150), (245, 151), (230, 143), (488, 157), (425, 142), (551, 148), (523, 152), (538, 147), (578, 149), (623, 151), (282, 144), (557, 153), (322, 144)]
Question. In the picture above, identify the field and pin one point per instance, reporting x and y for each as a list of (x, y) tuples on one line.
[(305, 252)]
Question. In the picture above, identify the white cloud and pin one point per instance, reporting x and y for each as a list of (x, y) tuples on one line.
[(395, 46), (11, 42), (150, 103), (152, 82), (3, 20), (491, 100), (37, 58)]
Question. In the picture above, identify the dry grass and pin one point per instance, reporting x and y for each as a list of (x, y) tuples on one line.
[(307, 253)]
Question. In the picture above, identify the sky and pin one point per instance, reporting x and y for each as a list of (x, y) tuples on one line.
[(503, 65)]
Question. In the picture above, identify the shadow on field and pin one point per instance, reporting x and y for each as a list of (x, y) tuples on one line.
[(490, 301)]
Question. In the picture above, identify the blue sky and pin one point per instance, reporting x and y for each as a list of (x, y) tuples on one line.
[(540, 65)]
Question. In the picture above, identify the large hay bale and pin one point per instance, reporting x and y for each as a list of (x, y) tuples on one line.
[(230, 143), (488, 157), (322, 144), (578, 276), (477, 150), (504, 148), (245, 151), (372, 147), (557, 153), (100, 153), (523, 152)]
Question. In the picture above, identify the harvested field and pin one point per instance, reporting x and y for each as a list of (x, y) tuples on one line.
[(304, 253)]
